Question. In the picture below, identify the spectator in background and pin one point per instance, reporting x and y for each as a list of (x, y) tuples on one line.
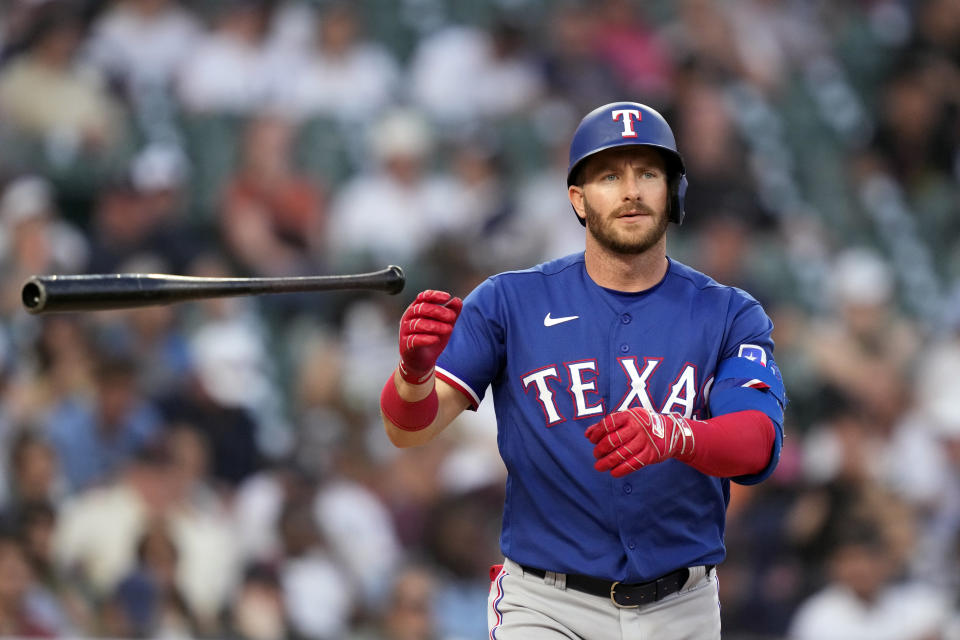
[(937, 425), (917, 137), (257, 611), (148, 598), (863, 601), (62, 367), (701, 35), (120, 227), (232, 70), (714, 153), (54, 599), (45, 94), (139, 215), (917, 129), (867, 348), (462, 74), (318, 595), (33, 238), (574, 69), (409, 613), (636, 53), (98, 532), (273, 218), (154, 337), (394, 213), (33, 470), (481, 234), (723, 249), (343, 76), (95, 436), (534, 227), (140, 45), (16, 22), (844, 460), (462, 538), (16, 582), (160, 177), (772, 39)]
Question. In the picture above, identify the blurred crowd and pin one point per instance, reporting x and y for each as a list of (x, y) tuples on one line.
[(218, 469)]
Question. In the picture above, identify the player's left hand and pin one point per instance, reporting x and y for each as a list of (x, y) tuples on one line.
[(627, 440)]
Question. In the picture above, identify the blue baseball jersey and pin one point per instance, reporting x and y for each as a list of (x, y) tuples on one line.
[(559, 352)]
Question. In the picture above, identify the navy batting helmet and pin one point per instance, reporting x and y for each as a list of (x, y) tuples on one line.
[(621, 124)]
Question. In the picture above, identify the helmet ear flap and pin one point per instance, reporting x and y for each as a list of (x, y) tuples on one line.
[(678, 189)]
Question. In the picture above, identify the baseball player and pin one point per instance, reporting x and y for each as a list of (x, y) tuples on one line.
[(629, 391)]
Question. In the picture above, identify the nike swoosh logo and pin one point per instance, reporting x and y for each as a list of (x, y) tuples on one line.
[(549, 322)]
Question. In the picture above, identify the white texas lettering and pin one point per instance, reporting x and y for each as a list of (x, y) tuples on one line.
[(544, 394), (579, 388), (638, 382), (583, 385), (683, 393)]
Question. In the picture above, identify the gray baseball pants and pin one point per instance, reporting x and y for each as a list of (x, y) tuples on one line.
[(526, 607)]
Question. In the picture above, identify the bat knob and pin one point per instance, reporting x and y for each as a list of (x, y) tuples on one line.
[(33, 295), (396, 279)]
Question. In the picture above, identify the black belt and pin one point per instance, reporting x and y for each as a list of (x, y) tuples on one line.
[(623, 594)]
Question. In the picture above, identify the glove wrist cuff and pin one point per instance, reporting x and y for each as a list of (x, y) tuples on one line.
[(408, 416), (414, 376)]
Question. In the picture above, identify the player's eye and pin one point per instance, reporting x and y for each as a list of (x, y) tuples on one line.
[(650, 175), (609, 177)]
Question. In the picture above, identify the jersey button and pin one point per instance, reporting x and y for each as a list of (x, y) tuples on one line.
[(628, 489), (626, 318), (624, 348), (632, 544)]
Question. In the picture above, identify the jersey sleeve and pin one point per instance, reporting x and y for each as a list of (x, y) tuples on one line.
[(474, 356), (747, 376)]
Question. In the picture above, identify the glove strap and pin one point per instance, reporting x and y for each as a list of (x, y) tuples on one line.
[(414, 376), (408, 416)]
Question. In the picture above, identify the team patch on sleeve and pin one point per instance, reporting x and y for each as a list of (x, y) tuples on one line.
[(753, 353)]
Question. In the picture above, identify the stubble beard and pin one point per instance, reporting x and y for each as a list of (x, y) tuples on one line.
[(620, 241)]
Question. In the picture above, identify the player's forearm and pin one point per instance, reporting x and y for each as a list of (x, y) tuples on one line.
[(735, 444), (408, 426)]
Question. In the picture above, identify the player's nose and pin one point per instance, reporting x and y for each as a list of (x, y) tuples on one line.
[(632, 189)]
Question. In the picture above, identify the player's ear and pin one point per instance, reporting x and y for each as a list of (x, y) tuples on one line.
[(575, 193)]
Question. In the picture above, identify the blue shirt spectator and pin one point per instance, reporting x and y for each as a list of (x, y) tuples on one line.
[(94, 437)]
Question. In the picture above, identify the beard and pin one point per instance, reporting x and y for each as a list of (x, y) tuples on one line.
[(625, 241)]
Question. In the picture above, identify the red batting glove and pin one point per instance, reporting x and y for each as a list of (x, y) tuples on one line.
[(424, 331), (628, 440)]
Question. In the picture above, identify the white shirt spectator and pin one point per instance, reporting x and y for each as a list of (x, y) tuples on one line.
[(396, 211), (378, 216), (227, 75), (905, 612), (316, 595), (234, 70), (455, 76), (350, 87), (98, 530), (360, 532), (143, 47)]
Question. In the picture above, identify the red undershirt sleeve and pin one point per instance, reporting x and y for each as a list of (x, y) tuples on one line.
[(734, 444)]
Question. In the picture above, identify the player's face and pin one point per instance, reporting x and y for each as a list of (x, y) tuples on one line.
[(624, 199)]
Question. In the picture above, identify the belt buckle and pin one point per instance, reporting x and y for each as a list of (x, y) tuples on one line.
[(613, 589)]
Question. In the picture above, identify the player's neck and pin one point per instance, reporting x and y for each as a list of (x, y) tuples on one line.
[(620, 272)]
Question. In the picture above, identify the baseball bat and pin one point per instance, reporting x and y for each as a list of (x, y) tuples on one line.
[(96, 292)]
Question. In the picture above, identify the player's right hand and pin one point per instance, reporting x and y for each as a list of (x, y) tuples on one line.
[(425, 329)]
